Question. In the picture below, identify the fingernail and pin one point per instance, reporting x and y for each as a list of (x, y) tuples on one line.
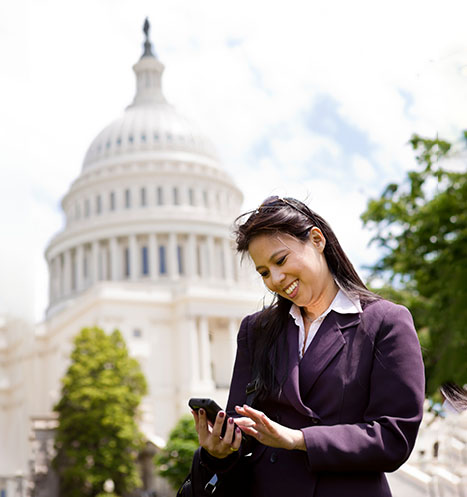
[(201, 411), (221, 414), (237, 430), (231, 421)]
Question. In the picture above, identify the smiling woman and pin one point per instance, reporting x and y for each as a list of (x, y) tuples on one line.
[(337, 371)]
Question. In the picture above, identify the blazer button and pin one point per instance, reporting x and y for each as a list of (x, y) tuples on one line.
[(273, 457), (314, 421)]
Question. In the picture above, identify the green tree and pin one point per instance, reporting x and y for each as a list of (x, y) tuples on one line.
[(174, 462), (97, 436), (421, 225)]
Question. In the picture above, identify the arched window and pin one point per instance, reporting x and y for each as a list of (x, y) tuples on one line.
[(180, 264), (176, 196), (126, 269), (162, 260), (160, 195), (144, 261)]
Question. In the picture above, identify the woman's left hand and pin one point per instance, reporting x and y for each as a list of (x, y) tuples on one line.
[(268, 432)]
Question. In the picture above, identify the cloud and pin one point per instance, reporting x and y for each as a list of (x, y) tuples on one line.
[(303, 98)]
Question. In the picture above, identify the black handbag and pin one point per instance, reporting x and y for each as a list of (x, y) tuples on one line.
[(203, 482)]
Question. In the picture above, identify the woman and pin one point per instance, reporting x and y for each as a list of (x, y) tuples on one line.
[(338, 370)]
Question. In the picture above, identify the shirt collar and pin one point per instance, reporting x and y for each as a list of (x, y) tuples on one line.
[(342, 303)]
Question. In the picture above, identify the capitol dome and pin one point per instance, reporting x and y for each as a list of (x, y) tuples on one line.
[(149, 125), (152, 205), (145, 129)]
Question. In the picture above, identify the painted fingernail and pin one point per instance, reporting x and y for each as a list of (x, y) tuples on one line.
[(231, 421), (221, 414), (237, 430), (201, 411)]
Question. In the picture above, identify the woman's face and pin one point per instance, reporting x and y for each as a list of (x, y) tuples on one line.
[(294, 269)]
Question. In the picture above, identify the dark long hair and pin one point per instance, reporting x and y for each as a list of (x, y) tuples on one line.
[(455, 395), (287, 215)]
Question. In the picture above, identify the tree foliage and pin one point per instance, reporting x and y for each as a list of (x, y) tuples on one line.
[(421, 225), (97, 436), (174, 462)]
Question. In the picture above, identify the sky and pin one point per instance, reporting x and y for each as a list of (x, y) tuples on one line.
[(314, 100)]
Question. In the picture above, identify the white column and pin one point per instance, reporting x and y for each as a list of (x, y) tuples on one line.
[(193, 342), (172, 259), (79, 254), (94, 262), (203, 263), (114, 259), (104, 262), (56, 270), (211, 257), (191, 256), (153, 257), (228, 262), (51, 281), (205, 350), (134, 257), (61, 286), (66, 272)]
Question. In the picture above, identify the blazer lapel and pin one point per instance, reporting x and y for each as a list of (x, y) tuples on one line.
[(291, 385), (326, 344)]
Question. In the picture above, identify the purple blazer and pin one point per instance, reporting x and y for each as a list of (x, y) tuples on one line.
[(357, 395)]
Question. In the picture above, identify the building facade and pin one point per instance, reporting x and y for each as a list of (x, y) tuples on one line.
[(147, 249)]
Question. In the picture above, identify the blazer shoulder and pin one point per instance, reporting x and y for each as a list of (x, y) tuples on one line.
[(382, 311)]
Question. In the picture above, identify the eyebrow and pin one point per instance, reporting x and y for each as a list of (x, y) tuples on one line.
[(277, 252)]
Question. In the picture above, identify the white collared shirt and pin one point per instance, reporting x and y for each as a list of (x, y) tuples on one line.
[(342, 303)]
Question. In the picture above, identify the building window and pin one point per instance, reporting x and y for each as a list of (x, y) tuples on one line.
[(143, 197), (112, 201), (144, 261), (137, 333), (119, 141), (181, 269), (162, 260), (191, 196), (176, 196), (77, 211), (127, 199), (87, 208), (127, 262), (156, 137), (143, 138), (130, 138), (98, 204), (160, 195), (205, 198)]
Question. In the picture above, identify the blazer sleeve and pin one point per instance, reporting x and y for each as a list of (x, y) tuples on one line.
[(242, 369), (387, 433)]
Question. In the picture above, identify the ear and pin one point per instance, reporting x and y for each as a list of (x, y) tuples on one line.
[(317, 238)]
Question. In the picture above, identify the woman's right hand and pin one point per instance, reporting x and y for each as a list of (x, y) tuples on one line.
[(210, 436)]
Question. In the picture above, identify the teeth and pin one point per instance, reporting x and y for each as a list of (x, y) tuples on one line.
[(291, 287)]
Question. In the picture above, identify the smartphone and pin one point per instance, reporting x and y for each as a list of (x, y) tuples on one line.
[(211, 408)]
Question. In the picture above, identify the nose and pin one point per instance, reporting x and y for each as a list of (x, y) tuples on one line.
[(277, 278)]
